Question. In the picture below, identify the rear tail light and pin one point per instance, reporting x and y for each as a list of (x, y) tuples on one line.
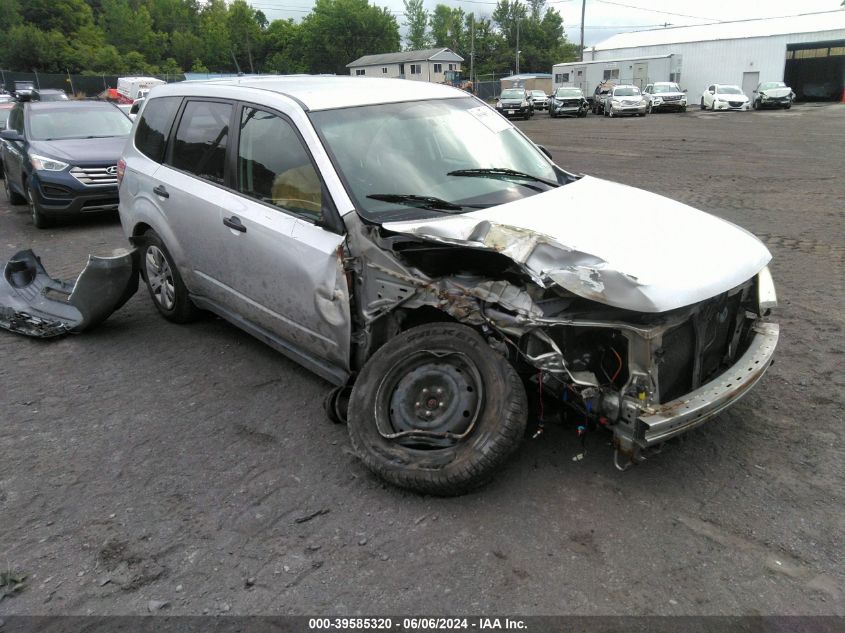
[(121, 169)]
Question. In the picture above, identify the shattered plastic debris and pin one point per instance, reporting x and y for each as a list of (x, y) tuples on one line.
[(34, 304)]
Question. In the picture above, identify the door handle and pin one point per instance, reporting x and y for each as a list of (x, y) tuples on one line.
[(234, 223), (161, 191)]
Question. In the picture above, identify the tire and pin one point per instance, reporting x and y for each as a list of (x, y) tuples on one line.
[(683, 109), (756, 104), (11, 196), (481, 395), (703, 107), (787, 106), (165, 285), (39, 220)]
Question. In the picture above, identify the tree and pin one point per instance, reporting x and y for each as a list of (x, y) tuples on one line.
[(337, 32), (244, 32), (213, 31), (283, 48), (416, 19), (447, 28), (131, 30)]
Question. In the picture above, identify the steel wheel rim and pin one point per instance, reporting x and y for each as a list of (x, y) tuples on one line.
[(160, 277), (430, 399)]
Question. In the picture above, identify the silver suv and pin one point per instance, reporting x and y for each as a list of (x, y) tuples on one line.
[(415, 249)]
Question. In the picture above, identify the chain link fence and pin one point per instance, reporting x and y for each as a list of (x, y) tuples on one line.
[(82, 85)]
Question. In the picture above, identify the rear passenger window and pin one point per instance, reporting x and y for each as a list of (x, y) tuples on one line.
[(154, 126), (274, 167), (200, 143)]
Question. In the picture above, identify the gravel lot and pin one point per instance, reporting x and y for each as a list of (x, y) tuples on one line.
[(148, 461)]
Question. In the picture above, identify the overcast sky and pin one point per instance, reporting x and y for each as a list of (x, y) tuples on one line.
[(603, 17)]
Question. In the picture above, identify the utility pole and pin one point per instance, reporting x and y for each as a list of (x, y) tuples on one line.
[(472, 50), (517, 47), (583, 11)]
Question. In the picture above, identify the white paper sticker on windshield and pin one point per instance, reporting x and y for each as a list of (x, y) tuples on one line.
[(491, 119)]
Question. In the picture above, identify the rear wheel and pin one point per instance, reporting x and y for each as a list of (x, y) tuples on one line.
[(702, 103), (166, 287), (436, 410)]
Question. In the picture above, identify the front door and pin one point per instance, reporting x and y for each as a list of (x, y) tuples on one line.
[(283, 271), (749, 83), (640, 74)]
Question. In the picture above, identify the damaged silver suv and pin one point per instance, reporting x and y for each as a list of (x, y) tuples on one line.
[(409, 245)]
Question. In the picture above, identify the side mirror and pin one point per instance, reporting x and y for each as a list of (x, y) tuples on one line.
[(11, 135), (685, 89), (545, 151), (754, 91)]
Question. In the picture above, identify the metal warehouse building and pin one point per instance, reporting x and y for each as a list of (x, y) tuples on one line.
[(806, 51)]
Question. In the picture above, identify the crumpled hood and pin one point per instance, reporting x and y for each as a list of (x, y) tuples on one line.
[(776, 92), (609, 242)]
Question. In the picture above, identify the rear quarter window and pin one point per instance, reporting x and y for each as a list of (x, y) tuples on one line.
[(154, 127)]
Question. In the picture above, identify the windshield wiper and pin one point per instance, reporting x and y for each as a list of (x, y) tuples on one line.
[(422, 202), (501, 173)]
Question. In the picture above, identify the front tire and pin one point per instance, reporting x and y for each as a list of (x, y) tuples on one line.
[(167, 290), (702, 104), (11, 196), (39, 220), (756, 104), (436, 410)]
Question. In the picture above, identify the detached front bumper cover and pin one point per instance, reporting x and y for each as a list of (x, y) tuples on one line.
[(34, 304)]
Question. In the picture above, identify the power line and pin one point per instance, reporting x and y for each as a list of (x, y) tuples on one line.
[(682, 15)]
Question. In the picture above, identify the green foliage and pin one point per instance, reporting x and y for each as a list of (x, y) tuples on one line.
[(337, 32), (147, 36), (416, 19)]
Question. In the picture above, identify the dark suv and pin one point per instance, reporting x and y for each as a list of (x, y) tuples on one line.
[(60, 157)]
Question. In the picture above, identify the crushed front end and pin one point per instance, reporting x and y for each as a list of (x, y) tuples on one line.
[(651, 377)]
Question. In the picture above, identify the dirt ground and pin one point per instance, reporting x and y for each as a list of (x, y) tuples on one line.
[(145, 461)]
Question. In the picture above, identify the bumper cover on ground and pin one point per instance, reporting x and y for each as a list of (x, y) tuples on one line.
[(34, 304)]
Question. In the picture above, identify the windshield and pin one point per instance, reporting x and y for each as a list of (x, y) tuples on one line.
[(53, 96), (728, 90), (513, 94), (772, 84), (626, 91), (658, 88), (568, 92), (80, 122), (538, 93), (402, 149)]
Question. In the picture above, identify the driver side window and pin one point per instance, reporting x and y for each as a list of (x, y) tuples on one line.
[(274, 167)]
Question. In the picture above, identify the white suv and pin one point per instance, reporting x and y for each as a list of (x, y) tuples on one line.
[(412, 247)]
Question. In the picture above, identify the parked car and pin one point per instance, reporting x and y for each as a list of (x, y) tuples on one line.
[(665, 95), (60, 157), (773, 94), (6, 98), (418, 251), (541, 100), (515, 102), (624, 100), (48, 95), (569, 101), (724, 97), (5, 109), (23, 89), (600, 95)]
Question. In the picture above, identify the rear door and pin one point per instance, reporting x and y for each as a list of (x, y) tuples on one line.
[(191, 188)]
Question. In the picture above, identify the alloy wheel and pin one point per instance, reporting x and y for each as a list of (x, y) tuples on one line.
[(160, 277)]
